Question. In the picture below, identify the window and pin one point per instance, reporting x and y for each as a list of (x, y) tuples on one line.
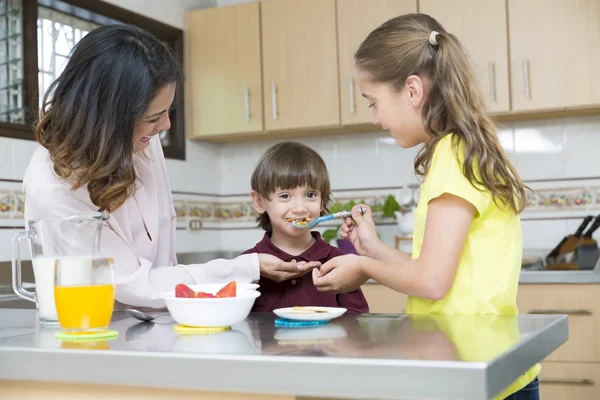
[(54, 27)]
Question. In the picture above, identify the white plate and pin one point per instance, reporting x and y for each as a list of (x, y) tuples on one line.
[(293, 314)]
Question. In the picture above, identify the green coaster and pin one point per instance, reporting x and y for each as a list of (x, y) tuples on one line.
[(106, 335)]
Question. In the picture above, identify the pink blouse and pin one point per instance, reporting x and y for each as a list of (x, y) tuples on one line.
[(139, 236)]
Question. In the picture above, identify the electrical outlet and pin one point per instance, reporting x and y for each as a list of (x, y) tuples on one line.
[(194, 224)]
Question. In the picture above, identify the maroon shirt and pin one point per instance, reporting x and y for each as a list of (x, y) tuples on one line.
[(301, 291)]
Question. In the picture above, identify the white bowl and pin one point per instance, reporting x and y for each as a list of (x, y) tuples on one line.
[(213, 312)]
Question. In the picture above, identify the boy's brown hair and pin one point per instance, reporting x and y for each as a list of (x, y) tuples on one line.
[(288, 165)]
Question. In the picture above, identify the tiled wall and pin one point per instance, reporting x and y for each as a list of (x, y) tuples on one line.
[(556, 157)]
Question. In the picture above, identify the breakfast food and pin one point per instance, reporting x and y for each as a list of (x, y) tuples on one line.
[(184, 291), (308, 310), (298, 221)]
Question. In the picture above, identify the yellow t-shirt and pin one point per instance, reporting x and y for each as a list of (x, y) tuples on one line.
[(487, 277)]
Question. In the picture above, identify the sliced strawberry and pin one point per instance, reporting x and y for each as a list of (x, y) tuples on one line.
[(204, 295), (228, 290), (182, 290)]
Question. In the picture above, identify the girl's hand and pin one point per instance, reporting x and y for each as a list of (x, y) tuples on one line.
[(341, 274), (363, 235)]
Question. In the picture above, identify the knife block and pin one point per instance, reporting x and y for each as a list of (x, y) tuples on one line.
[(574, 254)]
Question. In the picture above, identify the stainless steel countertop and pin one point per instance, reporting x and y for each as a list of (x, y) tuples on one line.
[(373, 356)]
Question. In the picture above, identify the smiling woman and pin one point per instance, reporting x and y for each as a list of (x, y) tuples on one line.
[(99, 152)]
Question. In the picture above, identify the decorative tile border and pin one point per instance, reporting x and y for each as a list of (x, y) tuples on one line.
[(238, 208)]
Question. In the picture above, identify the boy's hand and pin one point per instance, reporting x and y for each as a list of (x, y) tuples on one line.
[(273, 268)]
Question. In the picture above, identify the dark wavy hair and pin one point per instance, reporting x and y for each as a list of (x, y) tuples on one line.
[(89, 113)]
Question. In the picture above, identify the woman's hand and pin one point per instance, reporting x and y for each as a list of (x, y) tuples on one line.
[(341, 274), (273, 268), (363, 235)]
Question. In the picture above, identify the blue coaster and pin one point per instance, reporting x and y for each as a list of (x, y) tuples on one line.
[(288, 323)]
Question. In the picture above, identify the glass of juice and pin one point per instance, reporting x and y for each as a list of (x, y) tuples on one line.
[(84, 292)]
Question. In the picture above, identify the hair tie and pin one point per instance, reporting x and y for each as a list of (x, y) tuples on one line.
[(432, 36)]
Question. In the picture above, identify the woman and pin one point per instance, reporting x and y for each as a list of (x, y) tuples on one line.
[(99, 152)]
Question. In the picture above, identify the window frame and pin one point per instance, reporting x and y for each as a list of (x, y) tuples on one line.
[(169, 34)]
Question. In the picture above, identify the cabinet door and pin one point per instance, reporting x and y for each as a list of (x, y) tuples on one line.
[(562, 380), (554, 52), (382, 299), (580, 303), (481, 28), (356, 19), (223, 71), (300, 64)]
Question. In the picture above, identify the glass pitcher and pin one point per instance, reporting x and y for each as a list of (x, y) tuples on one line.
[(49, 240)]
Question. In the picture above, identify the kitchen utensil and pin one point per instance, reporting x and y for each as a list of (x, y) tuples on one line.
[(142, 316), (595, 225), (328, 217), (567, 244)]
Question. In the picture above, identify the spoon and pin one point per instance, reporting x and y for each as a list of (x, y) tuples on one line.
[(142, 316), (328, 217)]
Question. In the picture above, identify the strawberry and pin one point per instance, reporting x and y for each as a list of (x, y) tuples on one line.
[(204, 295), (182, 290), (228, 290)]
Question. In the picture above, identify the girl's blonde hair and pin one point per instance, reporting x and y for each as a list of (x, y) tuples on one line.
[(416, 44)]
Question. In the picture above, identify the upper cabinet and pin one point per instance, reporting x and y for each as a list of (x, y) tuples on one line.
[(223, 71), (300, 67), (481, 28), (273, 66), (554, 52), (355, 20)]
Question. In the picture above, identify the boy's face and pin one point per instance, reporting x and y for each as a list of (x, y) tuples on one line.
[(286, 204)]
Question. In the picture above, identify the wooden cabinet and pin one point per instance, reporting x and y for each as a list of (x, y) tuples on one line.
[(300, 67), (223, 71), (554, 53), (482, 29), (560, 381), (573, 370), (355, 20), (271, 67), (580, 302), (382, 299)]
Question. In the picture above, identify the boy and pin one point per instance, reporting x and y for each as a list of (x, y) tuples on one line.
[(290, 183)]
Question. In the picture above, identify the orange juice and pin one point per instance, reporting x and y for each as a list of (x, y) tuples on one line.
[(84, 308)]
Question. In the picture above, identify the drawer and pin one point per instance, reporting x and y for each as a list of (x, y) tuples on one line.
[(382, 299), (565, 380), (581, 303)]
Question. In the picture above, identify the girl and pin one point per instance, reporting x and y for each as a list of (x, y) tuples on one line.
[(467, 243)]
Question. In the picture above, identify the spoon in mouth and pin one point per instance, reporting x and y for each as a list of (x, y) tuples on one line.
[(338, 215)]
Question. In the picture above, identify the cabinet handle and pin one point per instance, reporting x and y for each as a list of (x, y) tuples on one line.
[(569, 381), (274, 100), (568, 312), (351, 94), (492, 79), (526, 78), (246, 103)]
